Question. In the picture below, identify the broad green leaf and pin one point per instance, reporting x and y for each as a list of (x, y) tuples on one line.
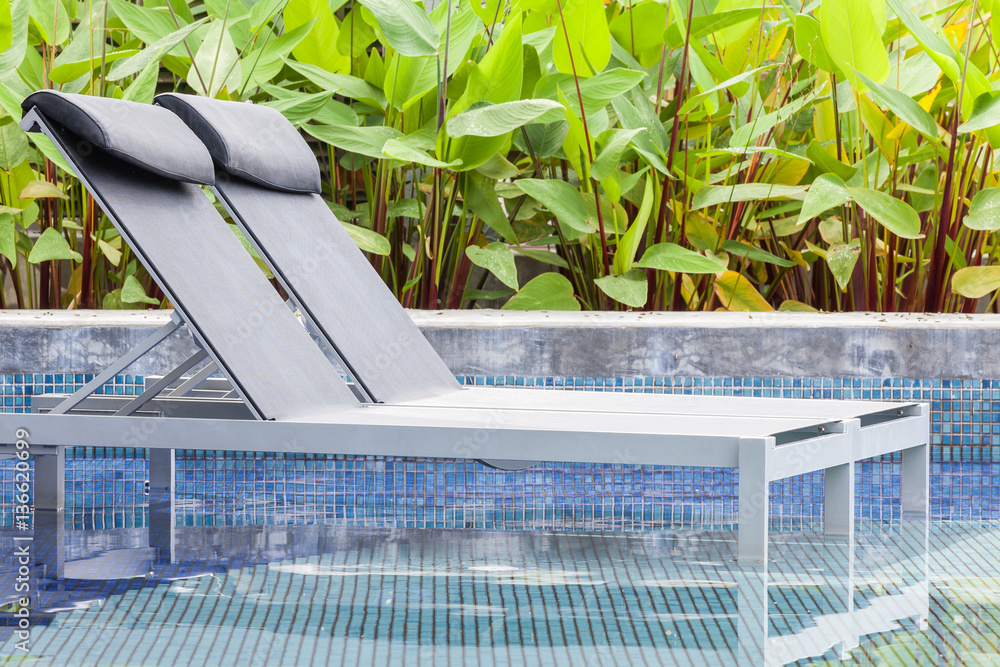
[(367, 239), (319, 47), (6, 26), (356, 34), (984, 212), (481, 197), (51, 245), (41, 190), (737, 80), (974, 282), (497, 259), (498, 119), (826, 192), (985, 113), (544, 256), (598, 90), (342, 84), (562, 199), (152, 53), (549, 291), (629, 288), (406, 208), (113, 301), (406, 27), (628, 245), (13, 144), (404, 151), (546, 140), (717, 194), (895, 215), (936, 46), (827, 163), (809, 44), (607, 162), (721, 19), (263, 61), (113, 254), (143, 88), (793, 306), (132, 292), (362, 140), (265, 10), (217, 64), (70, 70), (852, 39), (841, 259), (149, 24), (20, 17), (741, 249), (48, 149), (905, 107), (582, 44), (737, 294), (8, 238), (639, 29), (678, 259), (51, 20)]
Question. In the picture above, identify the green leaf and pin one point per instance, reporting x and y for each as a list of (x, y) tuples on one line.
[(486, 295), (546, 140), (152, 53), (13, 144), (8, 238), (20, 17), (67, 71), (544, 256), (985, 113), (341, 84), (976, 281), (853, 40), (113, 254), (793, 306), (497, 259), (362, 140), (841, 259), (582, 44), (367, 239), (481, 197), (737, 294), (628, 245), (51, 245), (41, 190), (711, 195), (740, 249), (895, 215), (984, 212), (678, 259), (143, 88), (904, 106), (217, 63), (562, 199), (6, 26), (132, 292), (51, 21), (695, 100), (265, 10), (113, 301), (549, 291), (48, 149), (149, 24), (629, 288), (319, 47), (406, 27), (498, 119), (607, 162), (404, 151), (826, 192), (809, 44)]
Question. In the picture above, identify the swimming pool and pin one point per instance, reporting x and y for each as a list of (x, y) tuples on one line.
[(331, 594)]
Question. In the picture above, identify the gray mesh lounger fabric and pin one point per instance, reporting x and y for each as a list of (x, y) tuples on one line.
[(226, 302), (311, 253)]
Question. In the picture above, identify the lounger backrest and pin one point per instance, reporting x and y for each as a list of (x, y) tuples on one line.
[(143, 166), (270, 181)]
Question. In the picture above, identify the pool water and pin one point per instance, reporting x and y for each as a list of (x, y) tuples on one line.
[(895, 593)]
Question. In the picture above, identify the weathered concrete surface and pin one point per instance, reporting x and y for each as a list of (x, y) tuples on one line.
[(589, 344)]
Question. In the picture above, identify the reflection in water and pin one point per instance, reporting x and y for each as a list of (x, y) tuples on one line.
[(274, 595)]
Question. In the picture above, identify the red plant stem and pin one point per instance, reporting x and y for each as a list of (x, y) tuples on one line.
[(939, 257), (90, 217), (590, 151)]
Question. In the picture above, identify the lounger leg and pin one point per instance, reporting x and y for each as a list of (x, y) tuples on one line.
[(915, 483), (50, 480), (161, 503), (751, 609), (754, 498), (838, 500)]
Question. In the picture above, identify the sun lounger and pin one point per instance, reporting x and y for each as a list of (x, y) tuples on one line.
[(145, 167)]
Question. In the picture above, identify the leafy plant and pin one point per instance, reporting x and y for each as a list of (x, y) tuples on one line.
[(734, 154)]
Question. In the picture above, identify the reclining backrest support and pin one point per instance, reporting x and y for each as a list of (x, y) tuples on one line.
[(270, 182), (143, 166)]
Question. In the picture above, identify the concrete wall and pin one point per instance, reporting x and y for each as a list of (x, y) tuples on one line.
[(581, 344)]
